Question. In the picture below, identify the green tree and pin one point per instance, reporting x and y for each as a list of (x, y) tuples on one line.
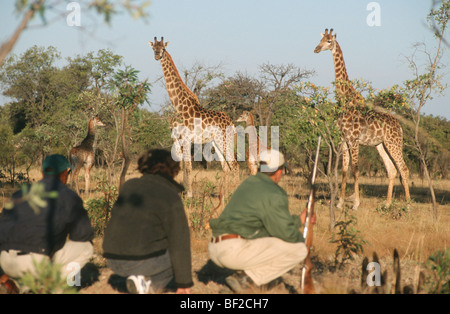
[(130, 93), (105, 8), (28, 81), (426, 82)]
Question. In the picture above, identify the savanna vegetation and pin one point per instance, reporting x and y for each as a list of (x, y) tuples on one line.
[(51, 101)]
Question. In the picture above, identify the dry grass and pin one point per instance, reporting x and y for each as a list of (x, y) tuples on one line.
[(415, 234)]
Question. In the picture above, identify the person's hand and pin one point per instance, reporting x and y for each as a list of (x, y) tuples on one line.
[(183, 291)]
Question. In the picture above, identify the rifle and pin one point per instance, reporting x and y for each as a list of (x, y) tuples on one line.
[(306, 284)]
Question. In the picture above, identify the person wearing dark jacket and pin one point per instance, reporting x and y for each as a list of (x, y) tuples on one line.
[(45, 220), (147, 238)]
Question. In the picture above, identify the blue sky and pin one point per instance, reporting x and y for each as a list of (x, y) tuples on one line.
[(243, 34)]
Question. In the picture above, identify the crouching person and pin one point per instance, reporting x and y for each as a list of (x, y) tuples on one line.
[(256, 233), (147, 238), (45, 221)]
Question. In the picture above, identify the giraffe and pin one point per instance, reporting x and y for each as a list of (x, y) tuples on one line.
[(84, 154), (361, 126), (255, 145), (212, 126)]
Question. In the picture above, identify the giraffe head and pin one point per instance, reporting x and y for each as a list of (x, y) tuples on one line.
[(328, 42), (243, 117), (97, 122), (159, 47)]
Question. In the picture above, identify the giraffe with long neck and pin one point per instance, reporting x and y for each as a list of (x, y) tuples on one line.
[(84, 154), (212, 126), (255, 145), (364, 127)]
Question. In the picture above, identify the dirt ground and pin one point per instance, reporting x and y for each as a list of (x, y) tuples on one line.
[(210, 279), (414, 233)]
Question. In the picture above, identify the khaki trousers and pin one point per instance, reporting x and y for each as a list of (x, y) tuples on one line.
[(17, 265), (263, 259)]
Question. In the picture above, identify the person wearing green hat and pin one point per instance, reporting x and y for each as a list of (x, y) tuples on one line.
[(45, 220), (255, 234)]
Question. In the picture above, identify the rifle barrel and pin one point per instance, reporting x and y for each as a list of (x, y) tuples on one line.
[(311, 194)]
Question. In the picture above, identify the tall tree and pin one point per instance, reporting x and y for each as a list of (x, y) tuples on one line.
[(426, 82), (131, 92), (105, 8)]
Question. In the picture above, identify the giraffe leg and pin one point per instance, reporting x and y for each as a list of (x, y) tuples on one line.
[(75, 177), (252, 161), (345, 163), (187, 177), (391, 171), (187, 162), (395, 151), (177, 154), (354, 151), (87, 177)]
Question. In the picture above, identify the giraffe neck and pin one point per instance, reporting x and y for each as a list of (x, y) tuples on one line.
[(340, 71), (88, 141), (252, 135), (179, 94), (344, 87), (251, 122)]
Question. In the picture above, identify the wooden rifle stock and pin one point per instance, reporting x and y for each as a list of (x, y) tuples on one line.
[(306, 283)]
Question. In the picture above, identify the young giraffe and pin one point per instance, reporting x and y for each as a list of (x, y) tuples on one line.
[(359, 125), (83, 154), (214, 124), (255, 146)]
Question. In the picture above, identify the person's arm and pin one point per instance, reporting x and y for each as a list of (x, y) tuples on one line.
[(177, 229), (279, 222), (80, 228)]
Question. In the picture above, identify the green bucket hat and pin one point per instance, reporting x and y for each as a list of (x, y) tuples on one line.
[(55, 164)]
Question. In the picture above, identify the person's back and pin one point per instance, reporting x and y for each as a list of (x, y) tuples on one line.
[(147, 208), (45, 221), (147, 238), (28, 227)]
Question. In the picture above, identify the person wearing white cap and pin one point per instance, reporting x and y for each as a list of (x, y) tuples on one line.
[(256, 233)]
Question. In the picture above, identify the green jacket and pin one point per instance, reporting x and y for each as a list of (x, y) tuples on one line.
[(258, 208)]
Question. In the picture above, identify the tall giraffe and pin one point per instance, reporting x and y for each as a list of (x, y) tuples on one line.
[(255, 146), (84, 154), (214, 124), (360, 126)]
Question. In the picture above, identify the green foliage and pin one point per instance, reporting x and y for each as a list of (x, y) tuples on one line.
[(396, 210), (131, 92), (34, 195), (47, 280), (7, 147), (99, 209), (151, 130), (439, 264), (348, 240), (200, 207), (104, 8), (440, 16), (53, 118), (107, 8)]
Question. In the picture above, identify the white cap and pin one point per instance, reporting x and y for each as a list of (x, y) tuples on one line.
[(271, 160)]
